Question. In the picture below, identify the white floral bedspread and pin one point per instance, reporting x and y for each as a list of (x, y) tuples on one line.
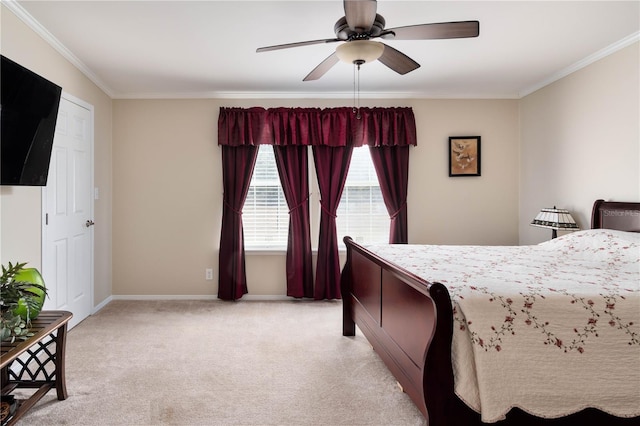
[(551, 328)]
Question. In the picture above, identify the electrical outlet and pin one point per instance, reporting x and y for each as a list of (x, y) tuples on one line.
[(208, 274)]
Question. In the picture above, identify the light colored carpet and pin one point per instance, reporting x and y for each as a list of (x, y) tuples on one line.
[(222, 363)]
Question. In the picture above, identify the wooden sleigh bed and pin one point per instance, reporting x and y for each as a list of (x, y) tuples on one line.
[(410, 321)]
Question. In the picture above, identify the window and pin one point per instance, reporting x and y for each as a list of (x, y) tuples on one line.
[(265, 214), (362, 214)]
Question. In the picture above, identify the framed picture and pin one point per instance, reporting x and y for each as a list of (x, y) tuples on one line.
[(464, 156)]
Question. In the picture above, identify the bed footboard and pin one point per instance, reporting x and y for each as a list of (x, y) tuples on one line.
[(408, 321)]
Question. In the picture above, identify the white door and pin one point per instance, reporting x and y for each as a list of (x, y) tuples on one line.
[(67, 238)]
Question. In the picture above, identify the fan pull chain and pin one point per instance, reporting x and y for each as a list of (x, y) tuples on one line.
[(358, 115), (356, 88)]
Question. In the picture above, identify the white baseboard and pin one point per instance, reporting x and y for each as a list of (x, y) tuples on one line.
[(248, 297), (102, 304)]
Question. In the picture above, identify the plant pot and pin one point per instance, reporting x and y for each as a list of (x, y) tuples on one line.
[(30, 275)]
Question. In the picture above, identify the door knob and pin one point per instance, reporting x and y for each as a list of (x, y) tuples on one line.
[(89, 223)]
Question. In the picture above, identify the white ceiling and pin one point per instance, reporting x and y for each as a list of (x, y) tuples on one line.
[(140, 49)]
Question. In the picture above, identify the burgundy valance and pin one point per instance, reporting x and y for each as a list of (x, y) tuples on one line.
[(316, 126)]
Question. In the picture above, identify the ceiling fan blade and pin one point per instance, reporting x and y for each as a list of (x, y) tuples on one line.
[(397, 61), (439, 30), (322, 68), (360, 14), (298, 44)]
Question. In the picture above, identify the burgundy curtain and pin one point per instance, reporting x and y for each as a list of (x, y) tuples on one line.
[(294, 126), (315, 126), (292, 163), (386, 127), (237, 168), (392, 168), (332, 164), (243, 126), (332, 132)]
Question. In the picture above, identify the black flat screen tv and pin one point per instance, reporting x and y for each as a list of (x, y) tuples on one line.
[(28, 113)]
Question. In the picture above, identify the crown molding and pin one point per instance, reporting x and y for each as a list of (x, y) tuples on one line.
[(602, 53), (32, 23), (310, 95)]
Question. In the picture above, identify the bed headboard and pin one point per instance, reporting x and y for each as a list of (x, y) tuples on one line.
[(624, 216)]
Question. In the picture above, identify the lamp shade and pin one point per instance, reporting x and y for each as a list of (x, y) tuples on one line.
[(359, 51), (556, 219)]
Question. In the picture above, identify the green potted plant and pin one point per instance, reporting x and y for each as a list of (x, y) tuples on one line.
[(22, 293)]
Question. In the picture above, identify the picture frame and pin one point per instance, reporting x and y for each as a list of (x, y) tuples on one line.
[(464, 156)]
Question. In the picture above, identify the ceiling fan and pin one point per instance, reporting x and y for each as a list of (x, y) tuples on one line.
[(361, 23)]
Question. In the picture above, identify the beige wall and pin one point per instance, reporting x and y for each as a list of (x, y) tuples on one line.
[(20, 207), (580, 141), (168, 189)]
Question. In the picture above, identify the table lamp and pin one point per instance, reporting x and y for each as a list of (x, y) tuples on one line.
[(555, 219)]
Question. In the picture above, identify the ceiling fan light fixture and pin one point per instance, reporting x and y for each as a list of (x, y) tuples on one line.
[(359, 51)]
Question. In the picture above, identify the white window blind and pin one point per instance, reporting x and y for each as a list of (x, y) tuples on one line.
[(362, 214), (265, 214)]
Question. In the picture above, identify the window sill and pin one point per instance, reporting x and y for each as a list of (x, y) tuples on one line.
[(266, 251), (275, 251)]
